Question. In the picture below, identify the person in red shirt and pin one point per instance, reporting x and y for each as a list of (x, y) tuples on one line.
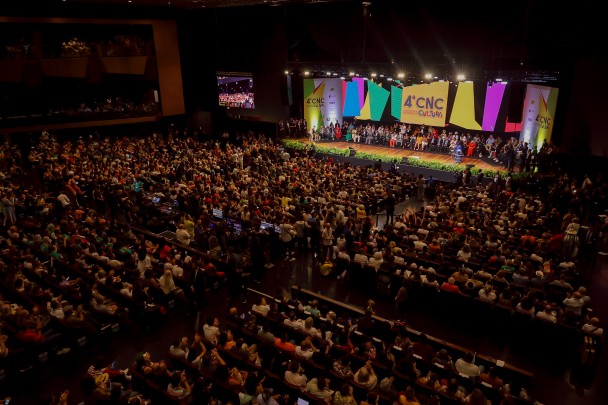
[(284, 344), (32, 333), (450, 285), (472, 145), (528, 240)]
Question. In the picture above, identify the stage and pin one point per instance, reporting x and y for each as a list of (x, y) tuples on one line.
[(399, 153)]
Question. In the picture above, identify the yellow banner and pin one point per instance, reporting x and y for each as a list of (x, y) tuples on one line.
[(425, 104)]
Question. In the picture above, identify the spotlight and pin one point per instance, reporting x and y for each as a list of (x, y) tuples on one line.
[(306, 73), (498, 80), (374, 75), (352, 73), (334, 74), (287, 72), (428, 76), (401, 75), (461, 77), (328, 73)]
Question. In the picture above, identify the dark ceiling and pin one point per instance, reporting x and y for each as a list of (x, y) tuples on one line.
[(518, 35), (185, 4)]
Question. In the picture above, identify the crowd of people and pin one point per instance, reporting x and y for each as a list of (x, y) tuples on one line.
[(68, 245), (290, 348), (509, 152), (292, 128), (118, 45)]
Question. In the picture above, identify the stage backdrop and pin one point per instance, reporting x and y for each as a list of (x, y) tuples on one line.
[(538, 115), (475, 106), (322, 102)]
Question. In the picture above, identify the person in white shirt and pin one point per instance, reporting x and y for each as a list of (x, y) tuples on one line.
[(309, 329), (467, 366), (486, 294), (305, 349), (262, 307), (182, 235), (294, 375), (293, 322), (211, 330), (361, 259), (63, 199), (547, 314), (592, 327), (55, 309), (376, 260)]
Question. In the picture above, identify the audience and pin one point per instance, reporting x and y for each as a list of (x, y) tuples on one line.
[(330, 202)]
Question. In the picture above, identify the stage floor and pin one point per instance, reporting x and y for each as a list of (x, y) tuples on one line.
[(444, 158)]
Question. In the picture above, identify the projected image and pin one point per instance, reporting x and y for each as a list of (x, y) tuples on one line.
[(235, 90)]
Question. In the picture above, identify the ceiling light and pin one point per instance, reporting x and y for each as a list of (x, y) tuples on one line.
[(328, 73), (499, 80)]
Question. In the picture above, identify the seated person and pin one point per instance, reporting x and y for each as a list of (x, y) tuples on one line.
[(284, 343), (179, 348), (293, 322), (309, 329), (294, 375), (342, 367), (450, 286), (261, 307), (211, 330), (179, 387), (592, 327), (366, 376), (453, 390), (313, 308), (306, 349), (492, 378), (466, 365), (211, 360), (319, 387)]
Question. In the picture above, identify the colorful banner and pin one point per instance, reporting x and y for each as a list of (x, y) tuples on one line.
[(475, 106), (322, 102), (463, 112), (494, 97), (425, 104), (538, 115)]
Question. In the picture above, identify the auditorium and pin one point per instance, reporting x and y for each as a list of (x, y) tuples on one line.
[(299, 202)]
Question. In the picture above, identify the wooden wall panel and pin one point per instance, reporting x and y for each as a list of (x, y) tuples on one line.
[(169, 67)]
